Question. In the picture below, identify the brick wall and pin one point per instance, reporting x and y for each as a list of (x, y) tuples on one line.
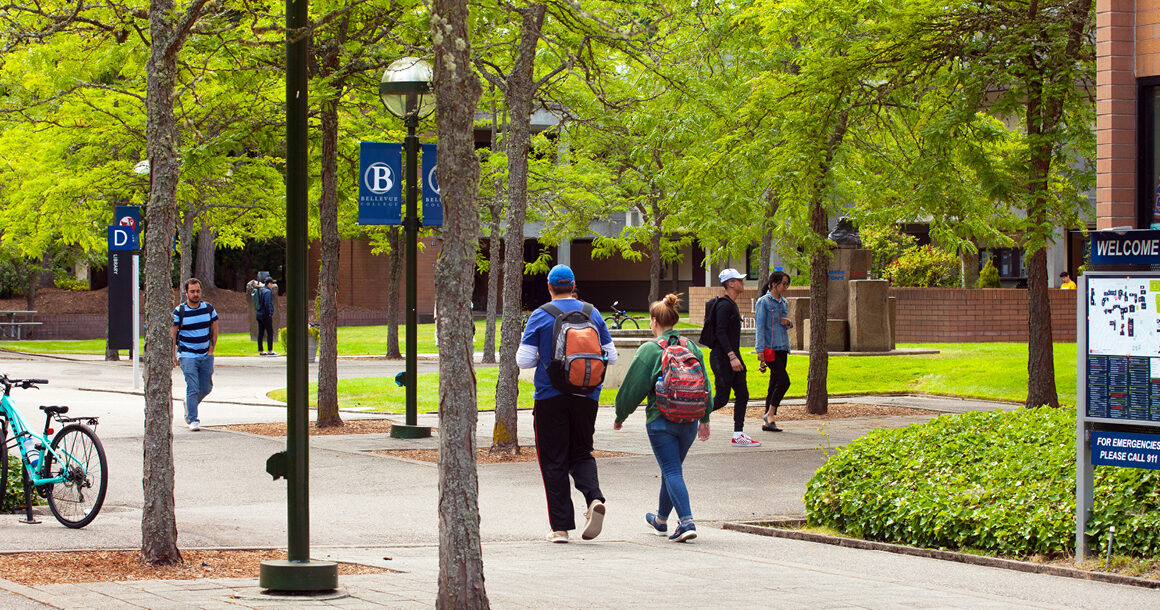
[(1121, 33), (947, 315), (78, 326)]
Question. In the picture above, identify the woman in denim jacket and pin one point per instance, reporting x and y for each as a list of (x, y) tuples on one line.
[(772, 323)]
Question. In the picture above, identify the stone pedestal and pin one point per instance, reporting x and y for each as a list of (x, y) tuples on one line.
[(837, 335), (869, 316), (847, 264), (799, 312), (892, 306)]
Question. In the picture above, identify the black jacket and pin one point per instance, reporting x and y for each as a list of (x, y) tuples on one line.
[(728, 326)]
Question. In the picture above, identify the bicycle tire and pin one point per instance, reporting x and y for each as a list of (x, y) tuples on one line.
[(3, 462), (68, 501), (612, 322), (635, 324)]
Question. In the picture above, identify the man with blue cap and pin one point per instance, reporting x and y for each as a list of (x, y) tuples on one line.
[(564, 419)]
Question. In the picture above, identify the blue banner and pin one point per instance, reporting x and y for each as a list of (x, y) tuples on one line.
[(432, 203), (123, 239), (1125, 449), (128, 216), (380, 184), (1135, 247)]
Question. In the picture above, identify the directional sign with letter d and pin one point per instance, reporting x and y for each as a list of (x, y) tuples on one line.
[(123, 238)]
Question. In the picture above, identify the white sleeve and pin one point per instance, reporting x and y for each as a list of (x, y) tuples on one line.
[(527, 356), (610, 352)]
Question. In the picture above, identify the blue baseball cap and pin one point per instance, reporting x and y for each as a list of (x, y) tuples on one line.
[(561, 275)]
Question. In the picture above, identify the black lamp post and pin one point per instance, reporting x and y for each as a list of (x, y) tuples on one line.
[(406, 92)]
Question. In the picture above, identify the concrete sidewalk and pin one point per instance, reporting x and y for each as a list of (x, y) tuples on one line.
[(378, 510)]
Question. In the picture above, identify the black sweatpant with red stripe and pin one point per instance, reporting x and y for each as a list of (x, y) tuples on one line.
[(564, 426)]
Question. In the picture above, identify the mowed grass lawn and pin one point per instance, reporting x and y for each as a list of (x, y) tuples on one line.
[(996, 371)]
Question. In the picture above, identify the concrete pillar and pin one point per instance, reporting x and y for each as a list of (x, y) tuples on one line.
[(847, 264), (869, 316), (799, 312), (564, 253), (837, 335)]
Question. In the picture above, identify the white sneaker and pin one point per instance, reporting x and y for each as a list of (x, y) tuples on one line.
[(193, 426), (743, 440), (595, 517), (558, 537)]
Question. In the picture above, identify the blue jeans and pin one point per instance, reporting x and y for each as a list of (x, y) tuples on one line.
[(198, 382), (670, 443)]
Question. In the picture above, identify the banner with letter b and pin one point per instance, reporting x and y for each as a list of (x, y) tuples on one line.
[(380, 184)]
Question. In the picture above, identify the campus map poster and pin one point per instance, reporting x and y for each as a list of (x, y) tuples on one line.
[(1123, 360)]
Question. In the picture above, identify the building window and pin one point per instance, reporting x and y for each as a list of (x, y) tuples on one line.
[(1148, 159), (1009, 262)]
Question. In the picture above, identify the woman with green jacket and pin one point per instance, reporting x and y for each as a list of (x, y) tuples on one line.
[(670, 440)]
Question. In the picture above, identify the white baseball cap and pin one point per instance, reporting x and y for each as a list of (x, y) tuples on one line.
[(730, 274)]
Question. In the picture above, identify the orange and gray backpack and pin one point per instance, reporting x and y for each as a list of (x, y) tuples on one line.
[(577, 363), (682, 389)]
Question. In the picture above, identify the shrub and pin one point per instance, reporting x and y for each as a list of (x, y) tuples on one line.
[(999, 481), (923, 266), (13, 499), (989, 276), (887, 243), (65, 282)]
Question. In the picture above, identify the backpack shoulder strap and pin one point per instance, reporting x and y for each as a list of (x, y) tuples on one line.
[(587, 309), (552, 309)]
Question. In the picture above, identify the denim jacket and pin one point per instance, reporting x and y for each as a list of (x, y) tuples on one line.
[(769, 312)]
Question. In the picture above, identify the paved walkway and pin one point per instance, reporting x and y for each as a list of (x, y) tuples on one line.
[(379, 510)]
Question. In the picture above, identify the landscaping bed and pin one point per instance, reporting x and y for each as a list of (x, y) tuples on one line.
[(1000, 483)]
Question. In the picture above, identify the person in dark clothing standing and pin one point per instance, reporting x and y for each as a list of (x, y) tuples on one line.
[(266, 317), (725, 359)]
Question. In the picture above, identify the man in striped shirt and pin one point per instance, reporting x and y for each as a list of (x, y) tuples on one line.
[(195, 333)]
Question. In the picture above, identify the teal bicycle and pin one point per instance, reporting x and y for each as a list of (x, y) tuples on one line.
[(69, 472)]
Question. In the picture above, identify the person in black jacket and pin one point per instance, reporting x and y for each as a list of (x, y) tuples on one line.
[(725, 359), (266, 317)]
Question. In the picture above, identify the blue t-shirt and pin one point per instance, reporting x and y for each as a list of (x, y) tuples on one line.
[(193, 332), (538, 333)]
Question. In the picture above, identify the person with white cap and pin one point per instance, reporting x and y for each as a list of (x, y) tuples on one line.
[(725, 358)]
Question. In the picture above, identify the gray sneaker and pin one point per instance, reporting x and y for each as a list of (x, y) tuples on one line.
[(193, 426), (595, 517)]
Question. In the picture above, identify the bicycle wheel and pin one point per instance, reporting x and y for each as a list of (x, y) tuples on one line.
[(3, 462), (77, 500), (625, 323), (612, 322)]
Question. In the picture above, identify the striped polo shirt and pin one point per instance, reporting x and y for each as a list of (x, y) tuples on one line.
[(193, 326)]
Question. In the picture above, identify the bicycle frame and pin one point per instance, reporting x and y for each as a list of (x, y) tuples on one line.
[(20, 431)]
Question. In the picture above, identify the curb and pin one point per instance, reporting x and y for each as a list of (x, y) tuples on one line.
[(978, 560)]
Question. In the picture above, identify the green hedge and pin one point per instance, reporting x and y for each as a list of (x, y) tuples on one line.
[(1001, 482)]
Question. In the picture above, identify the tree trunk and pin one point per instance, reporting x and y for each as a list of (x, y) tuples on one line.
[(654, 255), (328, 272), (394, 279), (519, 92), (495, 262), (188, 219), (969, 268), (461, 583), (204, 265), (772, 204), (158, 522), (1041, 389), (111, 355), (817, 396)]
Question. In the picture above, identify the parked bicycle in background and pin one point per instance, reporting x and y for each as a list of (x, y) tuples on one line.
[(619, 318), (70, 472)]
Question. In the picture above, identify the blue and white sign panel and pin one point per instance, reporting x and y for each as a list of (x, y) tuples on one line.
[(123, 238), (380, 184), (1137, 247), (432, 204), (1125, 449), (128, 216)]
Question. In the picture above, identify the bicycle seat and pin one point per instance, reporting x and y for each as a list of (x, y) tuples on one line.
[(54, 409)]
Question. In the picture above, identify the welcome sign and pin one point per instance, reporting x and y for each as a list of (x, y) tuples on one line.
[(1135, 247)]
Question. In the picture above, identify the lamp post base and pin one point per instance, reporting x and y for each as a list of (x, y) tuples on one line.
[(405, 431), (298, 576)]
